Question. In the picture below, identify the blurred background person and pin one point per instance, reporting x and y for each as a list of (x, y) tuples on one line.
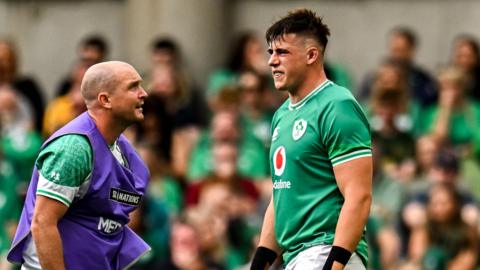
[(163, 203), (392, 132), (186, 249), (445, 170), (426, 150), (66, 107), (246, 53), (16, 115), (225, 127), (255, 114), (445, 241), (402, 46), (455, 119), (165, 51), (24, 86), (182, 102), (224, 169), (10, 207), (466, 56), (19, 141), (240, 209), (91, 50), (156, 130), (185, 109)]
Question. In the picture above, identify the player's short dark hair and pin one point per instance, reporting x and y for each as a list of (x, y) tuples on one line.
[(407, 33), (96, 41), (300, 21)]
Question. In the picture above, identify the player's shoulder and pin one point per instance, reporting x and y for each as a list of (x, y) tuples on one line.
[(69, 145), (337, 100), (334, 93), (69, 141)]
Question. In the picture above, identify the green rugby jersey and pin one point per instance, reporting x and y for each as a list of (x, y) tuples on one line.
[(309, 138), (65, 167)]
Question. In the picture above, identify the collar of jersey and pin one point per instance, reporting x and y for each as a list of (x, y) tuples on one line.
[(113, 146), (315, 91)]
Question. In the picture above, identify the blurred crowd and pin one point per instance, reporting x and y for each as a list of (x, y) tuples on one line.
[(207, 151)]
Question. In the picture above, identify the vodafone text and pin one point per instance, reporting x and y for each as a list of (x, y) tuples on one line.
[(282, 184)]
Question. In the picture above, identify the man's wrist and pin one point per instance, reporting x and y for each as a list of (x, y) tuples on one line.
[(337, 254), (263, 258)]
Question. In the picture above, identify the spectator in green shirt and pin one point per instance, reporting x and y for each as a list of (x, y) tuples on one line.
[(225, 126), (454, 120)]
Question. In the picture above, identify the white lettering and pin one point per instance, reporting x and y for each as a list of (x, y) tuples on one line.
[(125, 197), (102, 223), (281, 184), (107, 225)]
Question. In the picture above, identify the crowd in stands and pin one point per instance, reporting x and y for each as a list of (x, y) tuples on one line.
[(207, 151)]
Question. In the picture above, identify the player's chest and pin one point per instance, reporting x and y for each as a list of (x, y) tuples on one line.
[(296, 135)]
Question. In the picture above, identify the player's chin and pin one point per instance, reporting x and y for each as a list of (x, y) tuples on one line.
[(281, 87), (139, 116)]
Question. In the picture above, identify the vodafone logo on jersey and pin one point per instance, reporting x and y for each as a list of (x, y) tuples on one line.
[(279, 160)]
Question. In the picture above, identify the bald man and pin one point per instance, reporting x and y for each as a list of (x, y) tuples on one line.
[(86, 181)]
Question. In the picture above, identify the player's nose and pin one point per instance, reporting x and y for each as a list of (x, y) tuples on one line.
[(142, 94), (273, 60)]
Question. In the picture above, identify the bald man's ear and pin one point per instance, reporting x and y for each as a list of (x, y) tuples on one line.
[(104, 100), (313, 54)]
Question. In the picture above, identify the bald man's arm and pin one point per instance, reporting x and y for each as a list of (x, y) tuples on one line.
[(45, 232)]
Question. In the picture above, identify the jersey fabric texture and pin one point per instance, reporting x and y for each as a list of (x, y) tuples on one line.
[(64, 166), (309, 138)]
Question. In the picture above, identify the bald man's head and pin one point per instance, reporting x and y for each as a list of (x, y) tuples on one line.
[(101, 77)]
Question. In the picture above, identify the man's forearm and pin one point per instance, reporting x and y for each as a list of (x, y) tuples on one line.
[(349, 230), (267, 236), (49, 246), (268, 249), (351, 222)]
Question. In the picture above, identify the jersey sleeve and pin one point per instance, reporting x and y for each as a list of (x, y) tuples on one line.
[(345, 131), (64, 166)]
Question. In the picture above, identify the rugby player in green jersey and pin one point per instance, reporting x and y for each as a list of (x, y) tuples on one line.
[(320, 158)]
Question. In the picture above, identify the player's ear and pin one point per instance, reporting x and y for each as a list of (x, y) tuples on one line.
[(104, 100), (313, 54)]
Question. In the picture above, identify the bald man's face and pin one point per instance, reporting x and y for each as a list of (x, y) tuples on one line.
[(128, 96)]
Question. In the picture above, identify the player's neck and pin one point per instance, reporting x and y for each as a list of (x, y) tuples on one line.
[(108, 127), (311, 82)]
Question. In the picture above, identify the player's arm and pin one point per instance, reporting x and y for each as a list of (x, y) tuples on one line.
[(354, 179), (346, 135), (63, 167), (268, 248), (45, 232)]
